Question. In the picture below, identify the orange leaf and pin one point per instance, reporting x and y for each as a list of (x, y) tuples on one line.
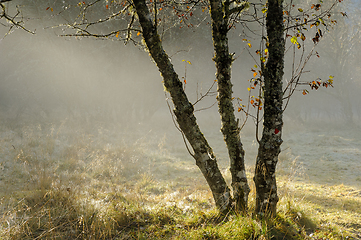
[(254, 74), (138, 33), (252, 101), (117, 35), (107, 6)]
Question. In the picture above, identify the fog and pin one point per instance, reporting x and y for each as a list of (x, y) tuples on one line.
[(50, 79), (46, 78), (92, 115)]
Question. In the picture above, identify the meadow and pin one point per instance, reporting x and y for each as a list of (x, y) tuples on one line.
[(71, 180)]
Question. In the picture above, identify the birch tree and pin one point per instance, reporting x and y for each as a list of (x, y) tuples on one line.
[(140, 19)]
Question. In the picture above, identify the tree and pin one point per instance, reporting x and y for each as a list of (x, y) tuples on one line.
[(269, 146), (143, 20)]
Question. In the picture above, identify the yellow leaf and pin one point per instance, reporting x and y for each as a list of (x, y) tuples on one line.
[(189, 62), (249, 89), (266, 51), (331, 77), (249, 45), (51, 9), (294, 40), (300, 10), (264, 10)]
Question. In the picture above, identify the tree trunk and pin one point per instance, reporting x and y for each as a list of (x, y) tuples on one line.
[(184, 111), (269, 149), (230, 129)]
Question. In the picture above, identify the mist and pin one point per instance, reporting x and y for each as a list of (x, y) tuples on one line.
[(92, 117)]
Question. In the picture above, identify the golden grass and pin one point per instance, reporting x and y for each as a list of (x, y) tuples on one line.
[(59, 185)]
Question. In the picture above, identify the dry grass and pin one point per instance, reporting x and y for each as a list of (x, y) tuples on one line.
[(62, 181)]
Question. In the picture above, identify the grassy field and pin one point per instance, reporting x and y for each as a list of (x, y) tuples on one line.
[(68, 181)]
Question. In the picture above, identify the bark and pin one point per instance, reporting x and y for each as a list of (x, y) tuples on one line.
[(230, 129), (184, 111), (269, 149)]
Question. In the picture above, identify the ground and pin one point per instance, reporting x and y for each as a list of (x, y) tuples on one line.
[(141, 182)]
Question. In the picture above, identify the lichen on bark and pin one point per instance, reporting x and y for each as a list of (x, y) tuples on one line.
[(269, 148), (230, 129), (184, 112)]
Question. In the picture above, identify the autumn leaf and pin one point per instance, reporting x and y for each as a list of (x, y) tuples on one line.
[(254, 74), (138, 33), (294, 40), (300, 10), (249, 89), (107, 6), (117, 35), (249, 45), (303, 37)]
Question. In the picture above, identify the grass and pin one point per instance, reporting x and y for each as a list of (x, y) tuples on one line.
[(57, 183)]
